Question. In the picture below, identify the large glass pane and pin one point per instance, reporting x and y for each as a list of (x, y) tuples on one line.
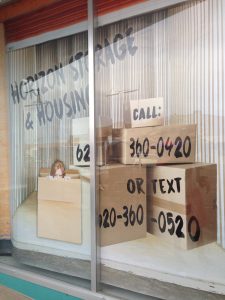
[(160, 92), (49, 129)]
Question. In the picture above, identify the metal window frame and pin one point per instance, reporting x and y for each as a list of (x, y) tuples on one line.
[(148, 6), (95, 234)]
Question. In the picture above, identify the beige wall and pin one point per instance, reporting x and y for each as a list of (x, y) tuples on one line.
[(4, 144)]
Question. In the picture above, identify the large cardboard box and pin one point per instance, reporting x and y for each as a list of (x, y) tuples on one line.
[(122, 215), (150, 145), (59, 209), (181, 204)]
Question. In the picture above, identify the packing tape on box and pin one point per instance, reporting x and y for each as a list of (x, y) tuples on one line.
[(85, 178), (85, 139), (80, 139), (169, 205)]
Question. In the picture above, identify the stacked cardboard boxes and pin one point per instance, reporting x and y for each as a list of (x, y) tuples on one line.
[(181, 194)]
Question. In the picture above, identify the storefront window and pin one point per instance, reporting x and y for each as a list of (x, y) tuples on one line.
[(159, 84), (159, 145), (49, 115)]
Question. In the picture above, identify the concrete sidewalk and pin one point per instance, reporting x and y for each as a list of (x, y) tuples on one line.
[(8, 294)]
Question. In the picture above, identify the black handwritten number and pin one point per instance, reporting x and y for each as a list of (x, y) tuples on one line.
[(109, 218), (87, 153), (169, 217), (146, 147), (125, 215), (106, 217), (132, 216), (132, 147), (194, 237), (112, 217), (140, 214), (163, 227), (138, 148), (180, 222), (168, 146), (160, 147), (162, 221), (178, 143), (100, 220), (187, 151), (79, 153)]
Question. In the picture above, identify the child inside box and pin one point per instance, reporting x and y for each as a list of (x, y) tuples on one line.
[(57, 169)]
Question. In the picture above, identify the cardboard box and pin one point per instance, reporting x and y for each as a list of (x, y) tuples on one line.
[(151, 145), (122, 214), (147, 112), (59, 209), (181, 204), (104, 128)]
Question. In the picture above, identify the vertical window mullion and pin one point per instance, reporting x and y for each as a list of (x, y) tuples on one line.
[(95, 258)]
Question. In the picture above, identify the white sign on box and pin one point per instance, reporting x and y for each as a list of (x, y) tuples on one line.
[(81, 147), (147, 112), (81, 141)]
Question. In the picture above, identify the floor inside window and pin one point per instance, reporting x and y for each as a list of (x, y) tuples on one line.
[(200, 268)]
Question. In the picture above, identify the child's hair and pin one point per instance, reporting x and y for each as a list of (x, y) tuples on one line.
[(58, 164)]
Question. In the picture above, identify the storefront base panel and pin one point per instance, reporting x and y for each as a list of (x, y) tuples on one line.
[(124, 277), (155, 288), (65, 265), (115, 284)]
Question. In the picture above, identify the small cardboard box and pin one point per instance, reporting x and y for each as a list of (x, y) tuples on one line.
[(151, 145), (147, 112), (181, 204), (59, 209), (122, 215)]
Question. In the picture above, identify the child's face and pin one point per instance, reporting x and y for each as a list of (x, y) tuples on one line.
[(59, 170)]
